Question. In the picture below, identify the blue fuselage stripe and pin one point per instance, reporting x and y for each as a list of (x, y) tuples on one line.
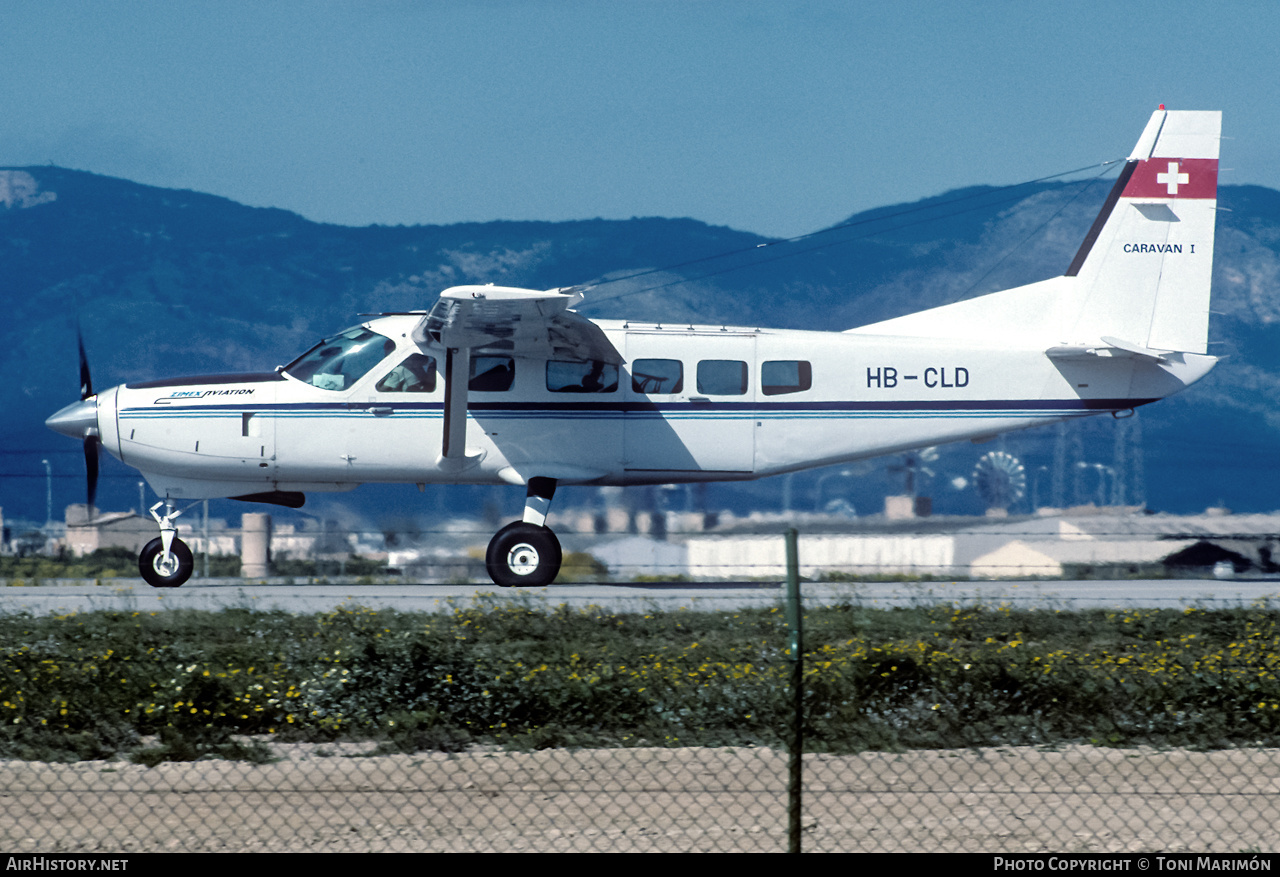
[(654, 411)]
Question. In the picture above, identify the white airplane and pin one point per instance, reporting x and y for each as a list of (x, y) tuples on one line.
[(501, 385)]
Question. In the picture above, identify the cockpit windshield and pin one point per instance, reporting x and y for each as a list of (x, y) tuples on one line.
[(337, 363)]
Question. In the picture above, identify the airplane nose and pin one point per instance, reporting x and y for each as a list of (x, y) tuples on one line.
[(78, 420)]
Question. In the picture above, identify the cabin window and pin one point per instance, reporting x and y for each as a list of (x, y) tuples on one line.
[(491, 374), (417, 374), (337, 363), (592, 376), (785, 376), (722, 377), (654, 376)]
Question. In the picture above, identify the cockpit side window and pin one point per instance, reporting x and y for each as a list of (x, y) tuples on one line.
[(592, 376), (337, 363), (417, 374)]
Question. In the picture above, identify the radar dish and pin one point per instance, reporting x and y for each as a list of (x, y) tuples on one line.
[(1000, 479)]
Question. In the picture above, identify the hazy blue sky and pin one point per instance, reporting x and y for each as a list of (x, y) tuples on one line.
[(773, 117)]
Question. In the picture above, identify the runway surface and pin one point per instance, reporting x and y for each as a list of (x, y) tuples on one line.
[(214, 594)]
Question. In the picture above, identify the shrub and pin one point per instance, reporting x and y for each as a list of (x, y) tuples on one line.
[(200, 685)]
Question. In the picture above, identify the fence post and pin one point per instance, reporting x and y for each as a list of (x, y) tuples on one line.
[(796, 655)]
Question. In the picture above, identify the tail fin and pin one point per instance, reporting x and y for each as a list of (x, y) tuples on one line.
[(1148, 260), (1142, 274)]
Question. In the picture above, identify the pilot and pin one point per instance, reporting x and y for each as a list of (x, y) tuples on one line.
[(591, 382), (417, 374)]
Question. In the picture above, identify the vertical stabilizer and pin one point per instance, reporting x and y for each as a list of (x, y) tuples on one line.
[(1146, 265)]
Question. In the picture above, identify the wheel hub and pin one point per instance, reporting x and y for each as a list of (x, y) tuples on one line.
[(165, 569), (522, 559)]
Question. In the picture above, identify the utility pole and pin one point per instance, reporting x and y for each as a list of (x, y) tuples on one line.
[(1120, 465), (48, 501), (1058, 485), (1139, 476)]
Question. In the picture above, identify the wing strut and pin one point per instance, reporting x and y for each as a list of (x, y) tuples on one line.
[(457, 372)]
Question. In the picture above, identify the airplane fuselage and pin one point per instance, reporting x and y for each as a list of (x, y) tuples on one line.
[(687, 404)]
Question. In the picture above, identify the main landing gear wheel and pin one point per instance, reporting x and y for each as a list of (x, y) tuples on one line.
[(159, 574), (523, 555)]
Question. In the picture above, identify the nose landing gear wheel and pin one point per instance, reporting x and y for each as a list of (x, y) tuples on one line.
[(523, 555), (157, 573)]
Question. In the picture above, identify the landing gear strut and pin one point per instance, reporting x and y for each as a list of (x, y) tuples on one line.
[(526, 553), (166, 561)]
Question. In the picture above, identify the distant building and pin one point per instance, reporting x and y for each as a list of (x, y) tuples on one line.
[(1048, 546), (634, 556), (86, 534)]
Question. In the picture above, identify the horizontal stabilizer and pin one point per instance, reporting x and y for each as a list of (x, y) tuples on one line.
[(1136, 349), (1114, 348)]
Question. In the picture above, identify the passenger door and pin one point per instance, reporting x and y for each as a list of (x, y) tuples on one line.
[(690, 402)]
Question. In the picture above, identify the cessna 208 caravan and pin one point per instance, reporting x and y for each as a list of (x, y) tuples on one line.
[(496, 384)]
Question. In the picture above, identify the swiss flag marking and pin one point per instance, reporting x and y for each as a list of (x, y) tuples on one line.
[(1174, 178)]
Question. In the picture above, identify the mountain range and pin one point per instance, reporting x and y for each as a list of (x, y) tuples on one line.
[(164, 282)]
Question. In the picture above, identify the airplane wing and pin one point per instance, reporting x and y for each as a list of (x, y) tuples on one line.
[(521, 323)]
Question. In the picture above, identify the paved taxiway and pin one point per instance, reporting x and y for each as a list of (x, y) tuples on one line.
[(214, 594)]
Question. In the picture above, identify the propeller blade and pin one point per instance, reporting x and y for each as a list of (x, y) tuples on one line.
[(91, 467), (86, 382)]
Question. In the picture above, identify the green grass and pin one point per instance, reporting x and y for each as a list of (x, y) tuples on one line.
[(180, 685)]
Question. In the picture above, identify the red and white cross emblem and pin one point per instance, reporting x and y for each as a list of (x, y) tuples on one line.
[(1173, 179)]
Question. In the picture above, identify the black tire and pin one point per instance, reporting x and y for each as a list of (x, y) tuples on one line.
[(180, 560), (523, 555)]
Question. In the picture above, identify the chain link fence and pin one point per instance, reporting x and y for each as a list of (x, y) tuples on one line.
[(1076, 799)]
